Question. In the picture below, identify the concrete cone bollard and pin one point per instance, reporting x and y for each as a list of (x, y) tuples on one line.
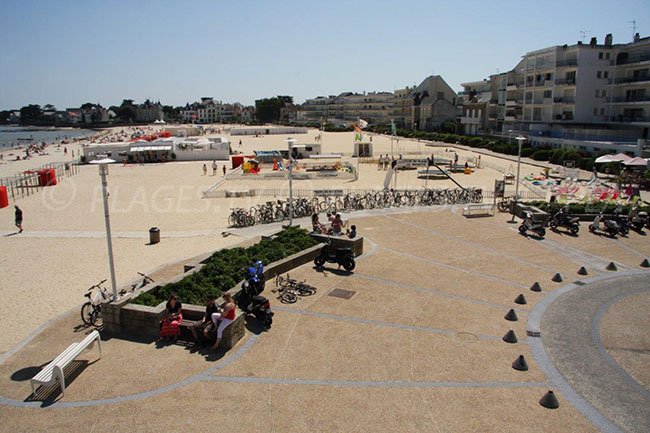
[(536, 287), (549, 401), (520, 364), (611, 267), (510, 337), (511, 316), (582, 271), (557, 278), (521, 299), (645, 263)]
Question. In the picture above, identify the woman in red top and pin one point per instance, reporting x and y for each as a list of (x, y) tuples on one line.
[(223, 319), (170, 325)]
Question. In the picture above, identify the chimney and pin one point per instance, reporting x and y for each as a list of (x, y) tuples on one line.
[(593, 42), (637, 37), (608, 40)]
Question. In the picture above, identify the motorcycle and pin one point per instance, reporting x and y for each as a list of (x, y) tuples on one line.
[(637, 219), (622, 220), (253, 304), (342, 257), (529, 225), (563, 218), (255, 277), (602, 224)]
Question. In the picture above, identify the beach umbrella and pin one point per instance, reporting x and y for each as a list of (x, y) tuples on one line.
[(603, 159), (637, 162)]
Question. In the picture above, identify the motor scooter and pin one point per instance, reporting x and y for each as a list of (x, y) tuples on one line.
[(255, 277), (637, 219), (563, 218), (529, 225), (622, 220), (603, 224), (341, 256), (255, 305)]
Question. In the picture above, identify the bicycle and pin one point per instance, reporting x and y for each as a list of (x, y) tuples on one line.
[(91, 311), (290, 289), (146, 279)]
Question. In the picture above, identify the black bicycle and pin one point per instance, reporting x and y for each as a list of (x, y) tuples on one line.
[(290, 289)]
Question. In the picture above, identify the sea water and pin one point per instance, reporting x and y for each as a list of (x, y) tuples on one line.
[(11, 134)]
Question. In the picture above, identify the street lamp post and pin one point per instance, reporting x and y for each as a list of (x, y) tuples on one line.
[(510, 136), (103, 172), (520, 141), (291, 142)]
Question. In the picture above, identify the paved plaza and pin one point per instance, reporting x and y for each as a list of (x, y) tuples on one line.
[(418, 346)]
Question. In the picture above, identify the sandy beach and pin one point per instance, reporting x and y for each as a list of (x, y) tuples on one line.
[(63, 248)]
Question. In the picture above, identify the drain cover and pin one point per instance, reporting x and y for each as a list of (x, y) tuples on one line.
[(579, 283), (340, 293)]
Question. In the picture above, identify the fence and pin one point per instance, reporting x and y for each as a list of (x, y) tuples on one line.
[(28, 182)]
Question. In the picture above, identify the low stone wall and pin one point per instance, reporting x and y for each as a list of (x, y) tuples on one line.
[(125, 317), (342, 242)]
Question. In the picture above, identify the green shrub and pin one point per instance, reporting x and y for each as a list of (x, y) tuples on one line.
[(541, 155), (225, 268)]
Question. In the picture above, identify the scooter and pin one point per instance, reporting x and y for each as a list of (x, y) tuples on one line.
[(255, 305), (255, 277), (622, 221), (602, 224), (535, 227), (342, 257), (637, 219), (563, 218)]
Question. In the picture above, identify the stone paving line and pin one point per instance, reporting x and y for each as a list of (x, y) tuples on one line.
[(574, 321), (102, 234)]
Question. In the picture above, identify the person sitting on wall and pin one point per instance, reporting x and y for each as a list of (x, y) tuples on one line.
[(206, 325), (316, 225), (224, 318), (337, 225), (352, 232), (170, 324)]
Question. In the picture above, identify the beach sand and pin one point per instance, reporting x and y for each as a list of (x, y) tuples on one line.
[(47, 269)]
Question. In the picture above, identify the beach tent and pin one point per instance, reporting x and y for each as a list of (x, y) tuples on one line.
[(603, 159), (637, 162), (621, 157)]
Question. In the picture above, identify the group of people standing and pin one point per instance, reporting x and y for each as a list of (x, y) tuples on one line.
[(214, 169), (383, 162)]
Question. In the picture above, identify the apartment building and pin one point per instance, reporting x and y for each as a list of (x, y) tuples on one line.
[(424, 107), (565, 94), (211, 111)]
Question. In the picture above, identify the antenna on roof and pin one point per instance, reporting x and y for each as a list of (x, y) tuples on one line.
[(583, 34), (633, 22)]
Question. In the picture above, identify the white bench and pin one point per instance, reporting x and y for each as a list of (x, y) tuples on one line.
[(475, 210), (54, 369)]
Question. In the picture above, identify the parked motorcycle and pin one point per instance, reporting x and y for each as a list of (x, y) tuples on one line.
[(255, 277), (637, 219), (563, 218), (603, 224), (255, 305), (529, 225), (622, 220), (340, 256)]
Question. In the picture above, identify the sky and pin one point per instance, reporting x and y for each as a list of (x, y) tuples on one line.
[(67, 53)]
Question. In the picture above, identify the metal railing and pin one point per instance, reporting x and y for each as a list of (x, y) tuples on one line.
[(568, 62), (28, 182), (566, 81), (634, 59), (629, 80), (642, 98), (565, 100)]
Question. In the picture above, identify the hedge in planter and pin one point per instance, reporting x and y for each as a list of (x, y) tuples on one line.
[(223, 269)]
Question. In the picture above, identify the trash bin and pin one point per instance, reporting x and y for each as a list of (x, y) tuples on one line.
[(154, 235)]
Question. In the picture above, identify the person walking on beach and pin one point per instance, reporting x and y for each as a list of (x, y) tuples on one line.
[(224, 170), (214, 168), (205, 170), (240, 142), (380, 162), (19, 219)]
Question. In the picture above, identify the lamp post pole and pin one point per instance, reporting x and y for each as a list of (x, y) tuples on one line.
[(291, 141), (103, 172), (520, 140)]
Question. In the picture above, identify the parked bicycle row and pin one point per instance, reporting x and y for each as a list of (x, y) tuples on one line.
[(276, 211)]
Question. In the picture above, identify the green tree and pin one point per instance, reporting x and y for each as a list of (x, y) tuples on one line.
[(30, 114), (4, 116), (268, 109)]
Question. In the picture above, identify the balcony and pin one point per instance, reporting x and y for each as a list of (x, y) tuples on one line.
[(630, 99), (542, 83), (565, 82), (624, 119), (510, 118), (637, 58), (568, 62), (565, 100), (645, 78)]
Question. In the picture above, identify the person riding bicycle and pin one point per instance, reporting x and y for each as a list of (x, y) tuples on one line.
[(170, 324)]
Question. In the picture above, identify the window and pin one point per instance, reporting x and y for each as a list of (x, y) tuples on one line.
[(597, 93), (606, 74), (607, 56), (600, 55), (595, 111), (547, 93), (598, 74), (548, 76), (603, 93), (602, 111)]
